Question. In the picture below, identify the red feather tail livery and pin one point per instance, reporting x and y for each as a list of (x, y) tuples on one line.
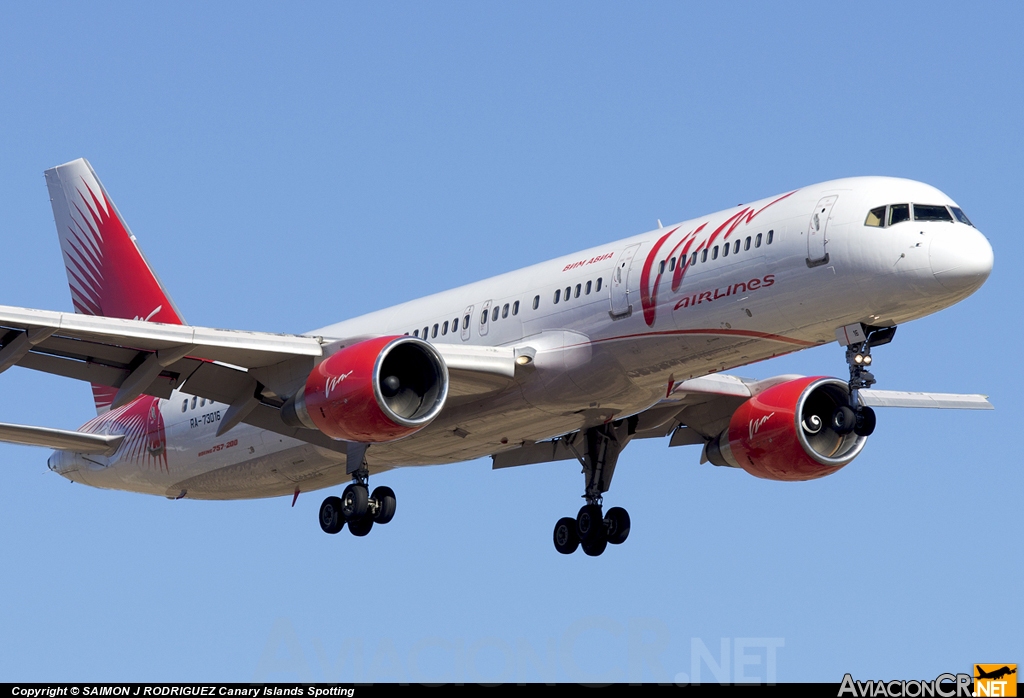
[(107, 272)]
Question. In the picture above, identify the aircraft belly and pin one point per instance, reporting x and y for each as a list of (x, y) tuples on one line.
[(303, 467)]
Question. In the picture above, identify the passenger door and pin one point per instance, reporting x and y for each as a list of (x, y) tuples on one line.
[(622, 280), (817, 232)]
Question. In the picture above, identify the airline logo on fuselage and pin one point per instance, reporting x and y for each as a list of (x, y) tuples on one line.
[(690, 243), (742, 287)]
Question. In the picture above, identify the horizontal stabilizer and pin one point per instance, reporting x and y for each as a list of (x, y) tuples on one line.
[(60, 439), (943, 401)]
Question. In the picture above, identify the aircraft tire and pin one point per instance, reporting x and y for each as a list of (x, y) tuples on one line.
[(360, 527), (566, 539), (355, 502), (865, 422), (616, 523), (386, 503), (595, 547), (331, 519), (589, 523), (844, 420)]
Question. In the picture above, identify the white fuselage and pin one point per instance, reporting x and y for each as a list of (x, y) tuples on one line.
[(632, 318)]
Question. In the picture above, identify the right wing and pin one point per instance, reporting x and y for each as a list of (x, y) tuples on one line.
[(60, 439), (252, 372)]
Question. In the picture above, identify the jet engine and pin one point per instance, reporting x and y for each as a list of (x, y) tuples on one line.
[(789, 432), (373, 391)]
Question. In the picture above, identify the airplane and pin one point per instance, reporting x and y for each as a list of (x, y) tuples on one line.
[(569, 359), (996, 674)]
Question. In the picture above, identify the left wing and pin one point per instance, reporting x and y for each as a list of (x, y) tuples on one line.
[(697, 410)]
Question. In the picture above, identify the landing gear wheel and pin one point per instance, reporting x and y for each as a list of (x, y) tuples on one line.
[(566, 540), (331, 518), (360, 527), (865, 422), (844, 420), (595, 547), (355, 502), (384, 498), (616, 524), (589, 523)]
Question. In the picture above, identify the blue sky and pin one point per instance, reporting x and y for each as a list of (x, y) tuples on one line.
[(289, 166)]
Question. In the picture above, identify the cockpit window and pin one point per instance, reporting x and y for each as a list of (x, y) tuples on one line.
[(876, 217), (961, 216), (899, 213), (924, 212)]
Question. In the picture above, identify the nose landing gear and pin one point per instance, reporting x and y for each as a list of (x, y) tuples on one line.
[(859, 340)]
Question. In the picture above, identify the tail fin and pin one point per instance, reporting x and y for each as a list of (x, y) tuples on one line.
[(107, 271)]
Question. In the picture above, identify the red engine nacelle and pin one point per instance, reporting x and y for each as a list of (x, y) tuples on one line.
[(376, 390), (785, 433)]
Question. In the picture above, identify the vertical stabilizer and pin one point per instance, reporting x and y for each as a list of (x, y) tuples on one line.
[(107, 271)]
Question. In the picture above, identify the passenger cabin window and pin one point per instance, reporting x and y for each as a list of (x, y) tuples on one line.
[(504, 311), (736, 247), (589, 286), (923, 212), (415, 333), (465, 323), (568, 292), (579, 287), (536, 302), (899, 213), (515, 308), (444, 328), (194, 400), (184, 405), (693, 259), (425, 330), (757, 240), (483, 318), (672, 264), (704, 256), (661, 267), (746, 244), (494, 314), (725, 249), (558, 294), (455, 325), (771, 235), (714, 252), (433, 334), (599, 281)]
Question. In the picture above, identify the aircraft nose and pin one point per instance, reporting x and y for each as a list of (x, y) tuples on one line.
[(961, 260)]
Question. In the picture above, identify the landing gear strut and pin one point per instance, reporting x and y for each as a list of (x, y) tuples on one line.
[(357, 507), (855, 417), (591, 529)]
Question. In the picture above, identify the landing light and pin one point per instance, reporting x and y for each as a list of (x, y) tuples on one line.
[(523, 359), (867, 360), (858, 359)]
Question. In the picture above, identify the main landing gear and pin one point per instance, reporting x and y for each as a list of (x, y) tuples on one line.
[(591, 529), (855, 417), (357, 507)]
